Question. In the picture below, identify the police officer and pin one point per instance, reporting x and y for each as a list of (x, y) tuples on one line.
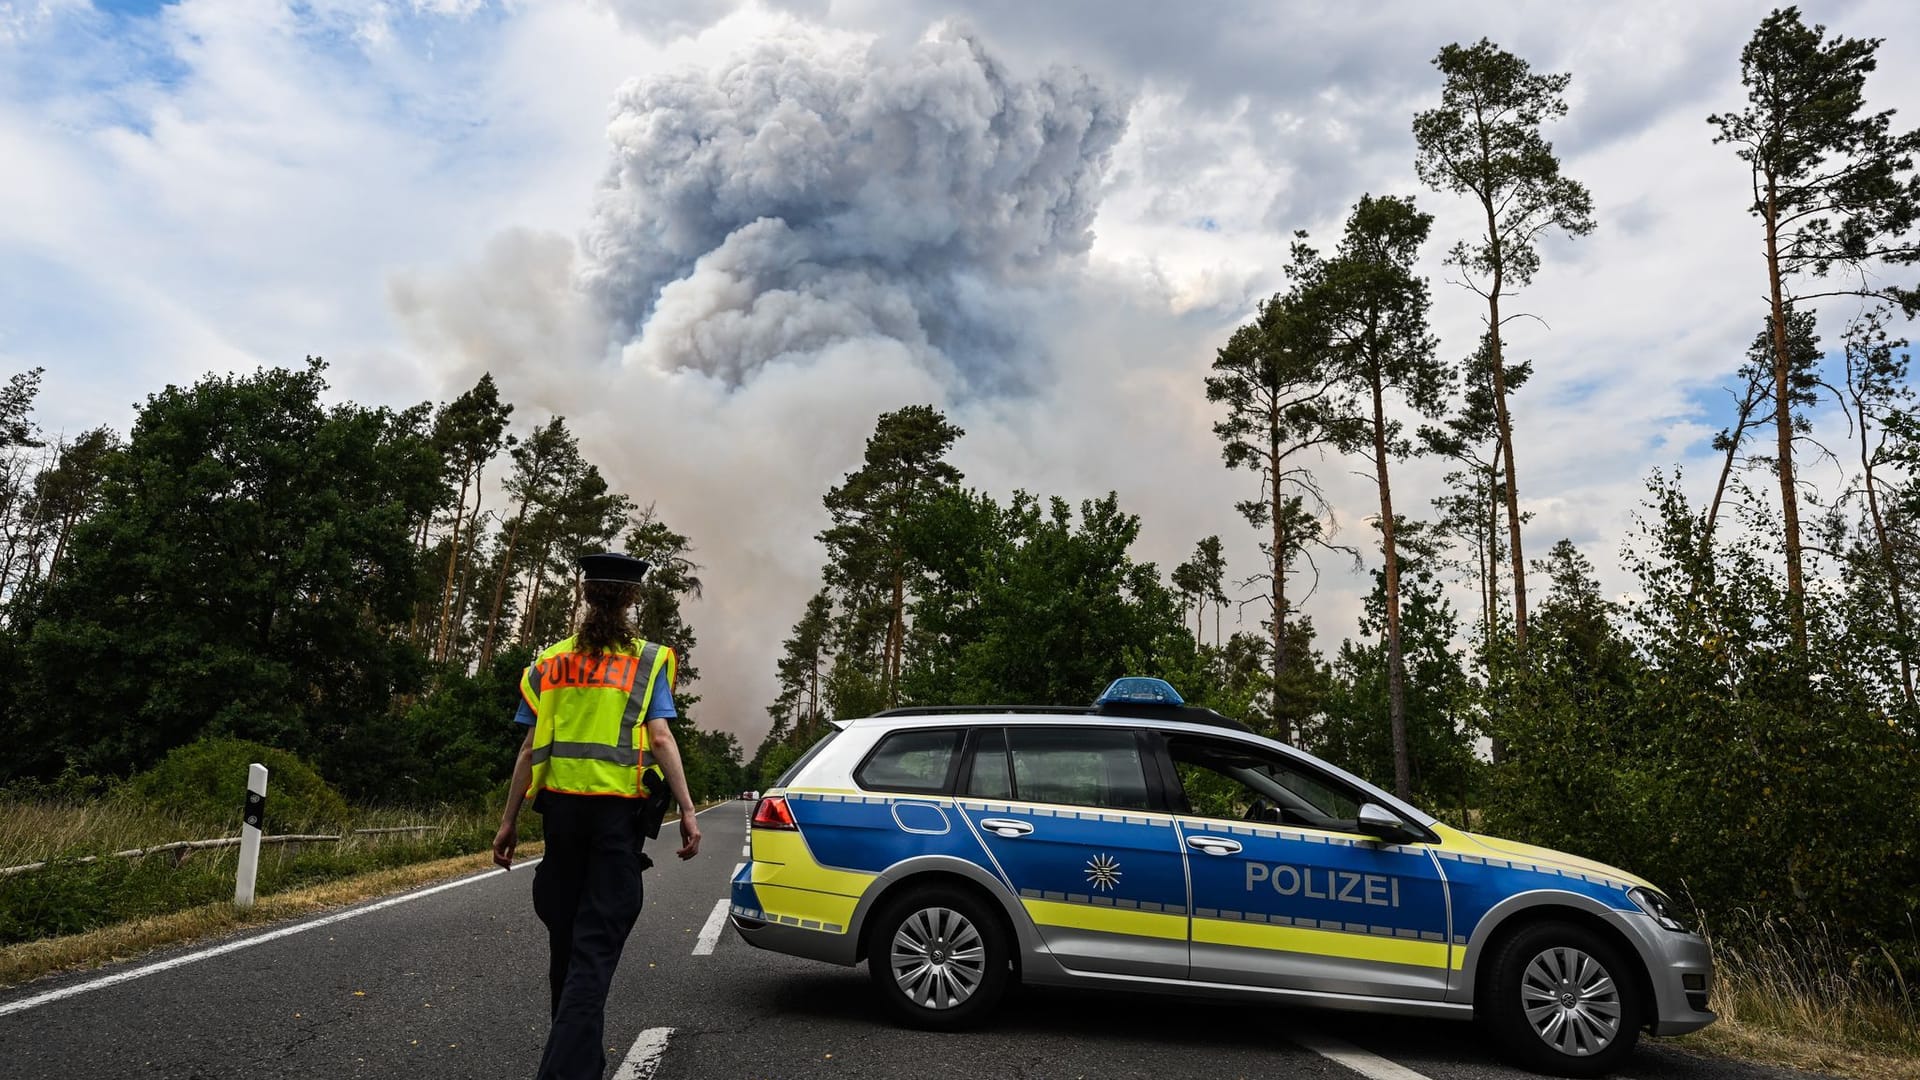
[(597, 757)]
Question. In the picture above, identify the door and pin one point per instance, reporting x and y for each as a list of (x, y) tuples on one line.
[(1286, 891), (1066, 815)]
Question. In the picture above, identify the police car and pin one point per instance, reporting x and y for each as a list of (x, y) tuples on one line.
[(1142, 844)]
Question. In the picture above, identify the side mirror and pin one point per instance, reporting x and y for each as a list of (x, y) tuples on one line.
[(1383, 824)]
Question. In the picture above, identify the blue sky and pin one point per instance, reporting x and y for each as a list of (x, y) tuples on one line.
[(410, 188)]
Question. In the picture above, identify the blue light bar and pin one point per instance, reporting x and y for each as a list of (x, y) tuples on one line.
[(1135, 690)]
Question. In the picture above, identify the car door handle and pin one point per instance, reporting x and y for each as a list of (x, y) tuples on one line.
[(1006, 827), (1214, 845)]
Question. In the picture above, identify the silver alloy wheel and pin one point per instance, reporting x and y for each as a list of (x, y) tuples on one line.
[(1571, 1001), (938, 958)]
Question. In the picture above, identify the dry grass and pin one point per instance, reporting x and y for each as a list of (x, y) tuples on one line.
[(35, 830), (1797, 998), (123, 941)]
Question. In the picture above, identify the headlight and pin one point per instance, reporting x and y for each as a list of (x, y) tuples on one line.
[(1660, 908)]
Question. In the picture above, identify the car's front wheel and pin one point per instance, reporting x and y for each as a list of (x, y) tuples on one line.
[(940, 958), (1561, 999)]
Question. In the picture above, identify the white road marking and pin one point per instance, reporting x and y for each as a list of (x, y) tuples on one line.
[(1367, 1064), (697, 813), (645, 1056), (710, 933), (130, 974), (747, 849)]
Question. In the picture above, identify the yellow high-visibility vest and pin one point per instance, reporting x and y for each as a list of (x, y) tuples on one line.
[(590, 718)]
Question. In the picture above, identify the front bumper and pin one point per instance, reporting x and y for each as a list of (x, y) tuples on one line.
[(1680, 968)]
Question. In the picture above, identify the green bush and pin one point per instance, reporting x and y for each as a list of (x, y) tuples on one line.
[(207, 781)]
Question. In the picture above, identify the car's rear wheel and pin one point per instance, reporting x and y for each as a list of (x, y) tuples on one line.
[(939, 958), (1562, 999)]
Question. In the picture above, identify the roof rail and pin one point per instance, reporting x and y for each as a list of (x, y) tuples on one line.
[(1125, 710), (984, 710)]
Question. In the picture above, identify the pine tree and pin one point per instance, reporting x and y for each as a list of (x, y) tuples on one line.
[(1835, 189), (1484, 141), (1371, 309)]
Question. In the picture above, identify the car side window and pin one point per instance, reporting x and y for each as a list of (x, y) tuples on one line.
[(1078, 766), (1222, 779), (912, 761), (990, 777)]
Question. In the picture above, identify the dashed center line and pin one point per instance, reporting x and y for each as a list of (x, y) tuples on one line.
[(710, 933), (1366, 1063), (645, 1056)]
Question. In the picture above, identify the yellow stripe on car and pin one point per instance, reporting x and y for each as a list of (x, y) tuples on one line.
[(1112, 920), (1299, 939)]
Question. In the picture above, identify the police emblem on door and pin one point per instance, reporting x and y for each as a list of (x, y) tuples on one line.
[(1103, 872)]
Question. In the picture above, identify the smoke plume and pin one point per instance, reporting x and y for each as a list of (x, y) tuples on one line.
[(783, 247), (812, 193)]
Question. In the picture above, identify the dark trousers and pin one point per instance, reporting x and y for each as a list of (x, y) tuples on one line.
[(587, 890)]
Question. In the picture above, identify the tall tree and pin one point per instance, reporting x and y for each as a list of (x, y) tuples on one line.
[(673, 578), (1878, 396), (1472, 511), (1834, 188), (904, 469), (469, 432), (1755, 406), (802, 663), (1372, 312), (1271, 378), (244, 575), (1484, 141), (536, 461), (69, 492)]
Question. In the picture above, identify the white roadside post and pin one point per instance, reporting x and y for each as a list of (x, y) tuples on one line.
[(251, 821)]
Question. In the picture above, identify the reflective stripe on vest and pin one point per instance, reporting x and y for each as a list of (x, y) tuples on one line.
[(587, 710)]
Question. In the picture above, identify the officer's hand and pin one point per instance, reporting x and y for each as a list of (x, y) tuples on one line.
[(504, 842), (689, 835)]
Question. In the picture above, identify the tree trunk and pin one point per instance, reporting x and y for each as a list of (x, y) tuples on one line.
[(466, 572), (1704, 572), (1497, 354), (500, 584), (453, 555), (896, 635), (1783, 425), (1282, 729), (529, 624), (1887, 560), (59, 548), (1396, 668), (1497, 743)]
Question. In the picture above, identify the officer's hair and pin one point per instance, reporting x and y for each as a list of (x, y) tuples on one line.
[(606, 626)]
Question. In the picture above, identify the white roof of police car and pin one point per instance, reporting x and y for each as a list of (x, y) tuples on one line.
[(1092, 719)]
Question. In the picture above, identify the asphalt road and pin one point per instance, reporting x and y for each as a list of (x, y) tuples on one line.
[(452, 984)]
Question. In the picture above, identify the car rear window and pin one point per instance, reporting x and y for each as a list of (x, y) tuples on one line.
[(914, 761), (1079, 767)]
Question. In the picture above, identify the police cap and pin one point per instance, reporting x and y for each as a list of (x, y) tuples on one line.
[(612, 566)]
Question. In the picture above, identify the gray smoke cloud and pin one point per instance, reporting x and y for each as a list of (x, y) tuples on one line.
[(811, 193), (786, 245)]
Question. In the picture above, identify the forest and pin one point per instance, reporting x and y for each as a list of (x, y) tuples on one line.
[(361, 586)]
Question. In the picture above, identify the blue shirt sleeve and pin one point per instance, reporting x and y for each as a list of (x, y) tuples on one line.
[(662, 703), (524, 717)]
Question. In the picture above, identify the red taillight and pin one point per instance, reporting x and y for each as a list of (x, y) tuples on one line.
[(772, 813)]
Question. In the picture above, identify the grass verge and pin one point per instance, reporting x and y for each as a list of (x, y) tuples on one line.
[(122, 941), (1796, 998)]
